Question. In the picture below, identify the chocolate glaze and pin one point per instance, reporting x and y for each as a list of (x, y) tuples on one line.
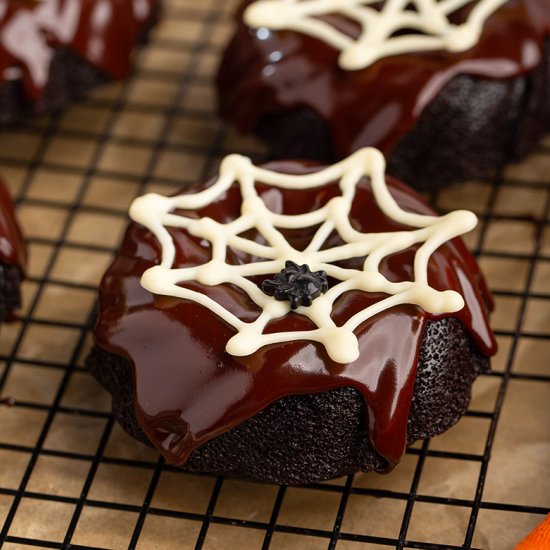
[(378, 105), (12, 245), (103, 33), (188, 389)]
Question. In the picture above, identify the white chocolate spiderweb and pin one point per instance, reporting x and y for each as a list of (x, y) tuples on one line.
[(429, 21), (156, 213)]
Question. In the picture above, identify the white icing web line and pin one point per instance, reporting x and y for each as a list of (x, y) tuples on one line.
[(155, 212), (376, 40)]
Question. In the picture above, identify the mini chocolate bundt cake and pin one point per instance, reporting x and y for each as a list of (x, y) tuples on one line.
[(446, 97), (291, 322), (55, 51), (13, 257)]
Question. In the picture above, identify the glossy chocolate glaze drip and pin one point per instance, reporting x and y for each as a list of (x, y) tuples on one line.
[(12, 245), (268, 72), (103, 33), (188, 389)]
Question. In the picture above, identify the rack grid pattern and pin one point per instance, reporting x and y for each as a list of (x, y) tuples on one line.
[(69, 476)]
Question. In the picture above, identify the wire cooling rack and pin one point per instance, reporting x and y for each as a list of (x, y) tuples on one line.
[(69, 476)]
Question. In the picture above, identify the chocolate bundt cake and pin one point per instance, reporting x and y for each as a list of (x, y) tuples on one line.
[(447, 94), (55, 51), (13, 257), (291, 322)]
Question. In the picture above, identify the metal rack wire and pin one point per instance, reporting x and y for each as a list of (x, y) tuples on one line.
[(68, 476)]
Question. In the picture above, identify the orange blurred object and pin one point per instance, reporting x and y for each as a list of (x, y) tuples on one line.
[(538, 539)]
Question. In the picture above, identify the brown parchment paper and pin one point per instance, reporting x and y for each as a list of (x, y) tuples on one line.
[(68, 475)]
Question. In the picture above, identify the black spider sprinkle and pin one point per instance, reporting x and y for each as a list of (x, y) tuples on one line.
[(297, 284)]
